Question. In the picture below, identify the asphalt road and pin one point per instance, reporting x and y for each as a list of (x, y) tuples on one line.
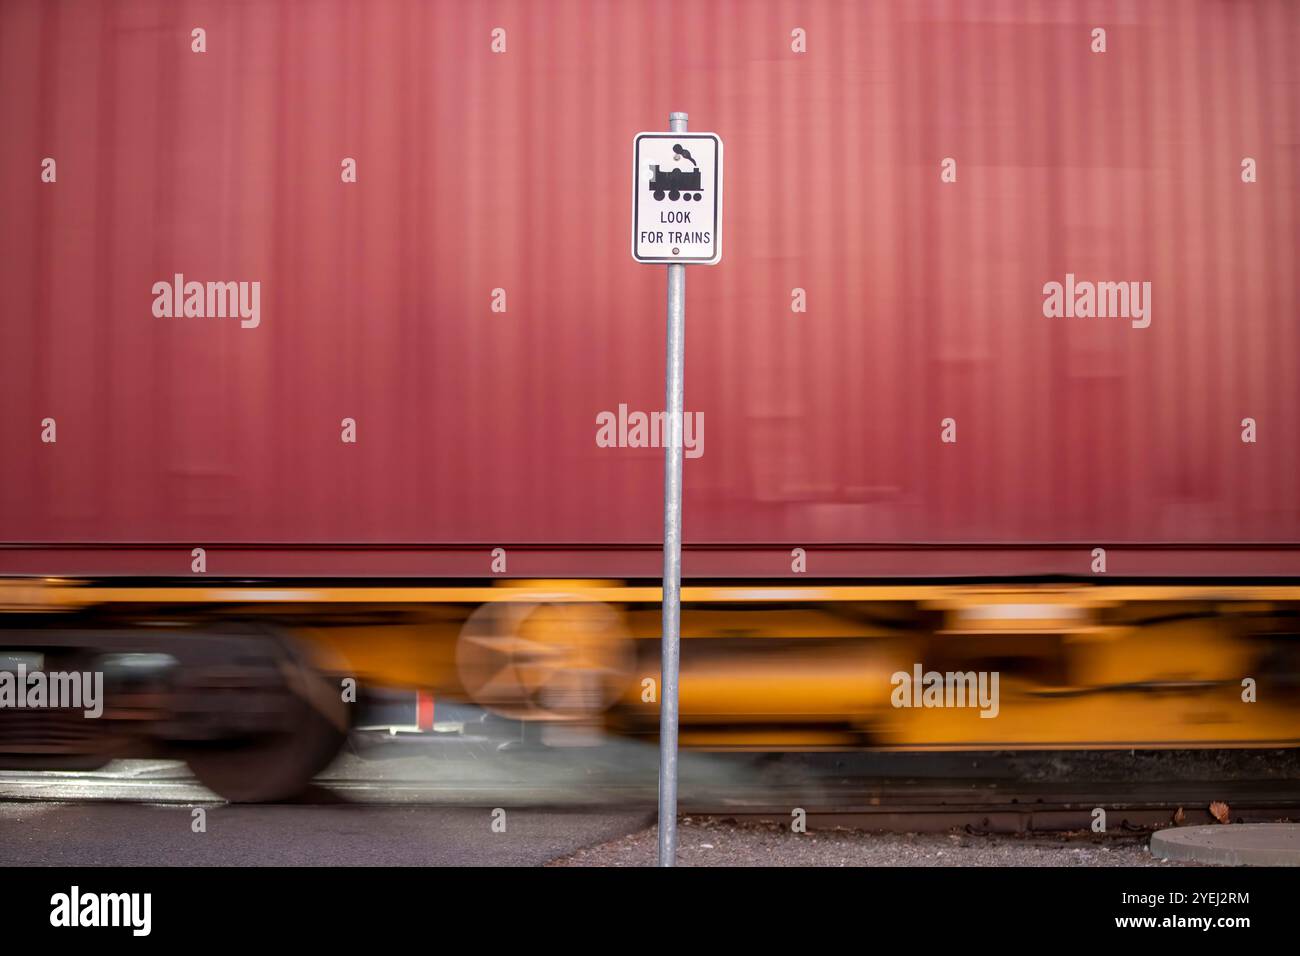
[(111, 833)]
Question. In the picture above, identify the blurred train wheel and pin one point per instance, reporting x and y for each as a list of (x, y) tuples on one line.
[(547, 662), (270, 768), (311, 726)]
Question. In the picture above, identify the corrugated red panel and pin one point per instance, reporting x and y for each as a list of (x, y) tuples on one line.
[(480, 170)]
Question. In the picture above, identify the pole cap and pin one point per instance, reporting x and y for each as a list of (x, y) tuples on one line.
[(677, 116)]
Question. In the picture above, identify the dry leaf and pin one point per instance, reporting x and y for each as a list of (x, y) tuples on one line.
[(1219, 810), (1179, 817)]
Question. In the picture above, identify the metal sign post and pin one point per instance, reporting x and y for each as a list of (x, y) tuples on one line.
[(675, 395), (676, 219)]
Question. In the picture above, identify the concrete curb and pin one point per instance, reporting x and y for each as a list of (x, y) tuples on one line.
[(1247, 844)]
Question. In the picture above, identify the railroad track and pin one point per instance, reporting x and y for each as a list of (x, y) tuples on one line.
[(996, 808)]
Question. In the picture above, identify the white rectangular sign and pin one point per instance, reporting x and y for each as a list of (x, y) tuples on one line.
[(677, 198)]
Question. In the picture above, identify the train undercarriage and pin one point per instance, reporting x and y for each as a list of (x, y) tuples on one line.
[(254, 685)]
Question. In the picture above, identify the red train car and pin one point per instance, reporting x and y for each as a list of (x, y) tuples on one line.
[(408, 222), (479, 170)]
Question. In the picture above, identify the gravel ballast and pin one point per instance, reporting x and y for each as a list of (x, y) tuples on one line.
[(712, 842)]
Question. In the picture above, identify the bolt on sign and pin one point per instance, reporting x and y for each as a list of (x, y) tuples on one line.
[(677, 198)]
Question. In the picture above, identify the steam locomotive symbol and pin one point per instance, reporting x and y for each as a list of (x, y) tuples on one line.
[(675, 183)]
